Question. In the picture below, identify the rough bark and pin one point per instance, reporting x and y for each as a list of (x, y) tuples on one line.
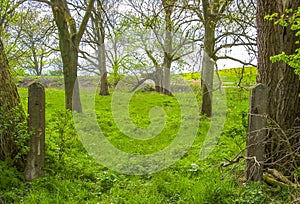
[(283, 84), (10, 119), (9, 96), (69, 39), (103, 71)]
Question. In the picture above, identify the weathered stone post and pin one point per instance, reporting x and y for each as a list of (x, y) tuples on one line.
[(256, 133), (36, 123)]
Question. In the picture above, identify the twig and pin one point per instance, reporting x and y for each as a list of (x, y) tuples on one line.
[(236, 160), (230, 162)]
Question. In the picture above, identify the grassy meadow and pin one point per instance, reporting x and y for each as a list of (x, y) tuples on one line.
[(72, 176)]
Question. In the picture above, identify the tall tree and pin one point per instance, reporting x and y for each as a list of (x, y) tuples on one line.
[(99, 31), (35, 40), (167, 25), (12, 117), (282, 82), (11, 113), (95, 38), (69, 40), (9, 97), (210, 17), (226, 24), (9, 16), (168, 6)]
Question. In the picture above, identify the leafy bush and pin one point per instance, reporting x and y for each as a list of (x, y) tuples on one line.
[(14, 135), (9, 177), (113, 79), (61, 136)]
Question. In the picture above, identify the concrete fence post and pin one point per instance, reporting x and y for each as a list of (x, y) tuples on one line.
[(36, 123), (256, 133)]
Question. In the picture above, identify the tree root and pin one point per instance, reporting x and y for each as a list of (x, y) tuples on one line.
[(276, 178), (271, 176)]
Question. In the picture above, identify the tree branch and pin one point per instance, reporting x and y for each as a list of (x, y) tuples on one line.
[(84, 21), (237, 60), (45, 1)]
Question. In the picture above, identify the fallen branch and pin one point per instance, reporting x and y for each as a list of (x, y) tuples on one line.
[(279, 176), (274, 177), (272, 181)]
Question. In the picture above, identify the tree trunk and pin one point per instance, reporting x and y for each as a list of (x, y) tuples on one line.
[(207, 72), (102, 52), (167, 76), (168, 7), (207, 77), (11, 114), (159, 80), (35, 60), (69, 53), (157, 75), (104, 84), (282, 82), (70, 79), (9, 96), (69, 39), (103, 71)]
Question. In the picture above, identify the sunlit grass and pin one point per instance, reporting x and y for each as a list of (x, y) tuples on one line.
[(72, 176)]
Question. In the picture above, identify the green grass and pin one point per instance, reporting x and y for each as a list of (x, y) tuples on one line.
[(234, 75), (230, 76), (72, 176)]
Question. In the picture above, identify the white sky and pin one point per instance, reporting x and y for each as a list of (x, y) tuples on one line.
[(238, 53)]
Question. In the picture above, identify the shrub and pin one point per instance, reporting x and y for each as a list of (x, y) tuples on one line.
[(113, 79), (13, 136), (61, 138), (9, 177)]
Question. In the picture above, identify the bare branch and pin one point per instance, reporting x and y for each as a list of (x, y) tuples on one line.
[(45, 1), (237, 60)]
